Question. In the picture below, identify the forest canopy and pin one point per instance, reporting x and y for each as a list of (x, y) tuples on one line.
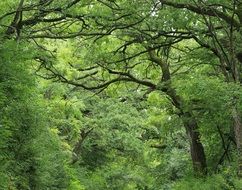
[(122, 95)]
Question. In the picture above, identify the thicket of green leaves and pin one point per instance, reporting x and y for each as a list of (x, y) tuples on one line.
[(133, 143), (96, 95), (32, 155)]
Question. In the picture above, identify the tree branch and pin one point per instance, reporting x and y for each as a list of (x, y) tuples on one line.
[(203, 10)]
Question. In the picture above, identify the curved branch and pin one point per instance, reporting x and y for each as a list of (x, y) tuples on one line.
[(203, 10)]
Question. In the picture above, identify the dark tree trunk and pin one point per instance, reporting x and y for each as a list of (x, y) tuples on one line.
[(238, 138), (196, 148)]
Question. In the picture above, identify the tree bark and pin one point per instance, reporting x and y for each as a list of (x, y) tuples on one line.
[(238, 138), (196, 148)]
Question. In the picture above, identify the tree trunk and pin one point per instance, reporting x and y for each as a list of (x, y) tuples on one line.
[(238, 138), (196, 148)]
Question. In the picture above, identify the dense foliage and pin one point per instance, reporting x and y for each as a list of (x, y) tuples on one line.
[(122, 95)]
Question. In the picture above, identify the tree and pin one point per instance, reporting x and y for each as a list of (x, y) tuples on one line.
[(146, 47), (224, 42), (218, 23), (134, 30)]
